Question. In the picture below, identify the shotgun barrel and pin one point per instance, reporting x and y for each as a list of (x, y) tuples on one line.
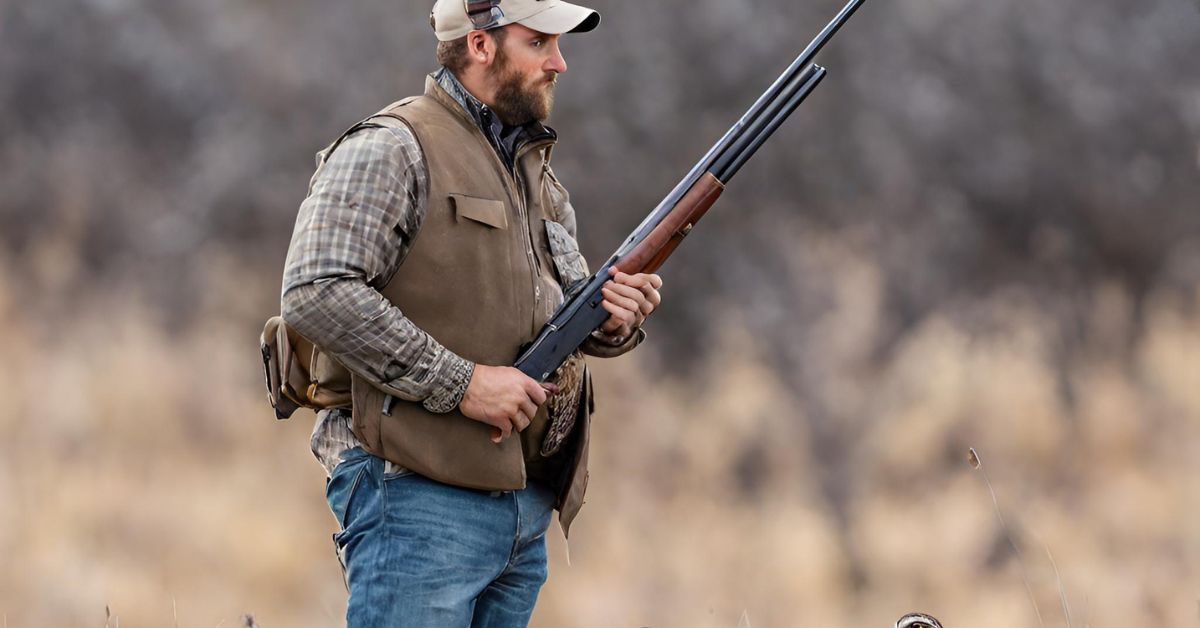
[(662, 230), (732, 159), (798, 66)]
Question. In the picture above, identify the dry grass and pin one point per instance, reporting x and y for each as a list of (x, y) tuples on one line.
[(143, 472)]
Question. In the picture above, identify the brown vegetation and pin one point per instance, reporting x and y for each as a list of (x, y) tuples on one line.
[(981, 232)]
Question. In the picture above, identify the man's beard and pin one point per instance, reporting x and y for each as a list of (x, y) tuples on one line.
[(518, 104)]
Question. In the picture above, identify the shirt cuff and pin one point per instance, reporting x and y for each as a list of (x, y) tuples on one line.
[(602, 345), (453, 386)]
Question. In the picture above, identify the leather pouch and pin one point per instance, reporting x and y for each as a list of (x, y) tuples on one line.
[(298, 374)]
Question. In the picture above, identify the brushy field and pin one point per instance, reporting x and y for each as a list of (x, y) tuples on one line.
[(975, 235), (141, 470)]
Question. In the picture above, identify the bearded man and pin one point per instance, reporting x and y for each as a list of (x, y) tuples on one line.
[(436, 241)]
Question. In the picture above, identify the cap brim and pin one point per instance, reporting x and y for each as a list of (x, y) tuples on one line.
[(563, 17)]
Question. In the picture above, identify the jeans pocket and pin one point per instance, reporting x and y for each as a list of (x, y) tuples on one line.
[(340, 489)]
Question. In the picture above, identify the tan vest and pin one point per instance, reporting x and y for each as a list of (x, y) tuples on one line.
[(479, 278)]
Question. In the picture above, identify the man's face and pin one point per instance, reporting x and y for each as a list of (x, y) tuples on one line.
[(525, 71)]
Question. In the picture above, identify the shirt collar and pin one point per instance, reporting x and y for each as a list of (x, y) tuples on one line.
[(503, 138)]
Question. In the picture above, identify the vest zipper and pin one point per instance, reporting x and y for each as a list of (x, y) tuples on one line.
[(523, 213), (513, 179)]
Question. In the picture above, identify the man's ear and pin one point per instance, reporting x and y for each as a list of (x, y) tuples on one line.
[(480, 47)]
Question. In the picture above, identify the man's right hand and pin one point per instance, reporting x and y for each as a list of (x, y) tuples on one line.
[(504, 398)]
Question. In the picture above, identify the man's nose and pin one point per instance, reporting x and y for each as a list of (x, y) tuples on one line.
[(556, 63)]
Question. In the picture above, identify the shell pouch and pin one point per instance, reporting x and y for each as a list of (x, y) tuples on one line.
[(298, 374), (568, 261)]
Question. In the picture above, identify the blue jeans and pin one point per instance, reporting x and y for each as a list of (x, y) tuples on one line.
[(419, 553)]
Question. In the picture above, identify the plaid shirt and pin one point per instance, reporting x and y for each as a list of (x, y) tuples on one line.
[(365, 205)]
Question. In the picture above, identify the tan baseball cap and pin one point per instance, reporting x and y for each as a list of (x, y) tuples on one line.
[(452, 19)]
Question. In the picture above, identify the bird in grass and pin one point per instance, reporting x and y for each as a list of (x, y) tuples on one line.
[(918, 620)]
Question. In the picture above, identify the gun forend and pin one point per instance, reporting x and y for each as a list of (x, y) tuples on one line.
[(658, 245)]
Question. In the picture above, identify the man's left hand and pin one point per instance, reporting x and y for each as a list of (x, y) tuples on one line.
[(629, 299)]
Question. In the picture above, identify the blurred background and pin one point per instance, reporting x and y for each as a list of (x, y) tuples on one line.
[(983, 230)]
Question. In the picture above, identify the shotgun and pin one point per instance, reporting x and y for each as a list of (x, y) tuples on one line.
[(653, 241)]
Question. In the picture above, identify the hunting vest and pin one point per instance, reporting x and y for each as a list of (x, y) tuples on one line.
[(480, 279)]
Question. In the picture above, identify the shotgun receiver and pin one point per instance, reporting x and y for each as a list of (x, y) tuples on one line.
[(672, 220)]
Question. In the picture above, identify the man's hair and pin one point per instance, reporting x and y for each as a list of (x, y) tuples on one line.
[(453, 53)]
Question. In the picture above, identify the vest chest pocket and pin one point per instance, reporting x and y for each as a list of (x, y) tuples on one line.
[(568, 261), (481, 210)]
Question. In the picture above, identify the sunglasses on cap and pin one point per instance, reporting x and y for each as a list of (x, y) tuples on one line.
[(484, 14)]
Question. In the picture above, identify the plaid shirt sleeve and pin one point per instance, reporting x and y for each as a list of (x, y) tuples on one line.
[(365, 205)]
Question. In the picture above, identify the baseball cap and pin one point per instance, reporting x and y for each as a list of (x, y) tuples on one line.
[(452, 19)]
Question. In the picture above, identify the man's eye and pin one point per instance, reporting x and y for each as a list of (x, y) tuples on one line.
[(537, 43)]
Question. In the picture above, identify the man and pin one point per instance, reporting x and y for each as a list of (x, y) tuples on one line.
[(436, 241)]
